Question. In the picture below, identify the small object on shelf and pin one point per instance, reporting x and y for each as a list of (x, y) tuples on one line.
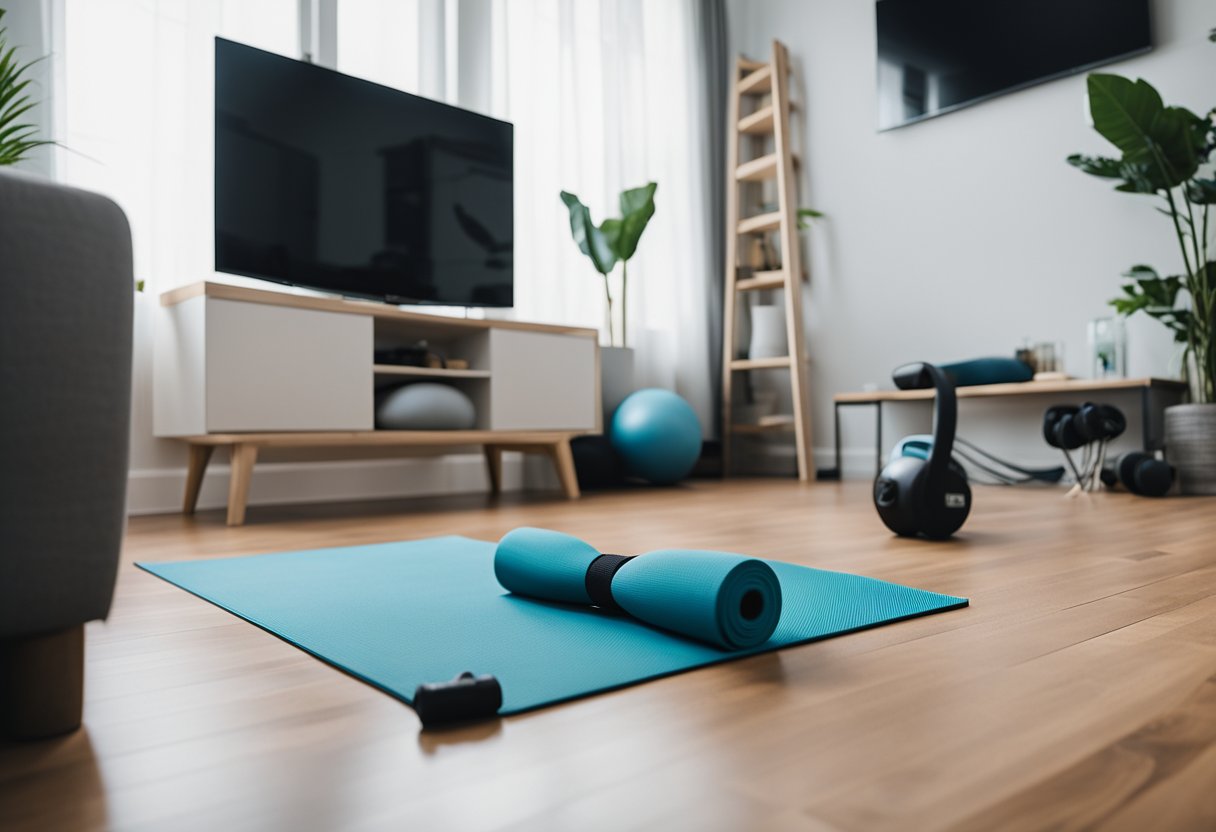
[(996, 370), (425, 406), (768, 331), (1049, 357), (457, 364), (414, 355), (1052, 376), (1107, 348)]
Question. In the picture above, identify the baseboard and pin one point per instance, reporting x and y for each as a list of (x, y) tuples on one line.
[(159, 491)]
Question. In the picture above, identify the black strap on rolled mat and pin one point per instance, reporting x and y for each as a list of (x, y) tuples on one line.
[(599, 580)]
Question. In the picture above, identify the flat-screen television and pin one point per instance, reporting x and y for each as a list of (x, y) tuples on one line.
[(935, 56), (334, 183)]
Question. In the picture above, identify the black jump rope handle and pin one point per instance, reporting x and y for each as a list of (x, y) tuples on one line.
[(468, 698), (464, 699)]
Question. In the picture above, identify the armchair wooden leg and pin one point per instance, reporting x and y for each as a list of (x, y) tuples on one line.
[(200, 455), (563, 462), (494, 467), (244, 456), (42, 684)]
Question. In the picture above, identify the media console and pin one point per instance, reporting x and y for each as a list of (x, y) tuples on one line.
[(255, 369)]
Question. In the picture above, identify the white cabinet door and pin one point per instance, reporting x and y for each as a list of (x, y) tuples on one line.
[(275, 368), (543, 381)]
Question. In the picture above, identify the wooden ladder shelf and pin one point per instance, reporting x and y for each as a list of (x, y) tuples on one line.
[(759, 109)]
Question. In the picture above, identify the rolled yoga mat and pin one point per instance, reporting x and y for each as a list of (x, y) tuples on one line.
[(728, 600), (400, 615)]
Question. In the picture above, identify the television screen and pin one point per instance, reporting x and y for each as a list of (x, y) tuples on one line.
[(935, 56), (334, 183)]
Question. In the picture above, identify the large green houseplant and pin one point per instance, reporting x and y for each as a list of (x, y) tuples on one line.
[(17, 137), (1166, 152), (612, 241)]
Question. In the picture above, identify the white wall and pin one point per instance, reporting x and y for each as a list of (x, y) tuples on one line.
[(960, 236)]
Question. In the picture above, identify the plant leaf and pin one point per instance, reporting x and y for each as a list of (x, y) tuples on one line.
[(16, 138), (637, 207), (590, 240), (1201, 191), (611, 229), (1140, 271), (805, 215), (1163, 142), (1155, 296), (1102, 166)]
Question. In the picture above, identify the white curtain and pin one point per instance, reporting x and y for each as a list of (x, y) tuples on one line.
[(137, 117), (606, 95)]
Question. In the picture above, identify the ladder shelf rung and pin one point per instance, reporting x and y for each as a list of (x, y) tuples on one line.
[(759, 82), (761, 280), (760, 223), (763, 167), (761, 121), (768, 424), (776, 362), (748, 65)]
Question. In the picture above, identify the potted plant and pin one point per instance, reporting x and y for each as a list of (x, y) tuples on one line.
[(612, 241), (1166, 153), (17, 138)]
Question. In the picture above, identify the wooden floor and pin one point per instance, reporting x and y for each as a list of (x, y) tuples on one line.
[(1078, 690)]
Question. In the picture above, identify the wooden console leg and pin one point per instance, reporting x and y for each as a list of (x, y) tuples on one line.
[(494, 468), (563, 461), (200, 455), (244, 456), (42, 684)]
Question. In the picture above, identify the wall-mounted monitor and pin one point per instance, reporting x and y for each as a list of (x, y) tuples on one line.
[(935, 56), (334, 183)]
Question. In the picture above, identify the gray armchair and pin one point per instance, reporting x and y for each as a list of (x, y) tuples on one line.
[(66, 298)]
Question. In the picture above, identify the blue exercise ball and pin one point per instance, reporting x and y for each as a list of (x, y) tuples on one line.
[(657, 434)]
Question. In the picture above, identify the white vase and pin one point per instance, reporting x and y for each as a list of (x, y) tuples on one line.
[(1190, 446), (768, 332), (616, 379), (770, 389)]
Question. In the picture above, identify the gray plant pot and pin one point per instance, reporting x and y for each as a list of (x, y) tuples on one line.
[(1190, 446), (616, 379)]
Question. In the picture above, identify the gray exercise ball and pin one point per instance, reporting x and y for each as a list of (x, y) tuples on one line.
[(425, 406)]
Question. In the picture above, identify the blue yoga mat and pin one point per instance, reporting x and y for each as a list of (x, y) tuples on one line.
[(397, 615)]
